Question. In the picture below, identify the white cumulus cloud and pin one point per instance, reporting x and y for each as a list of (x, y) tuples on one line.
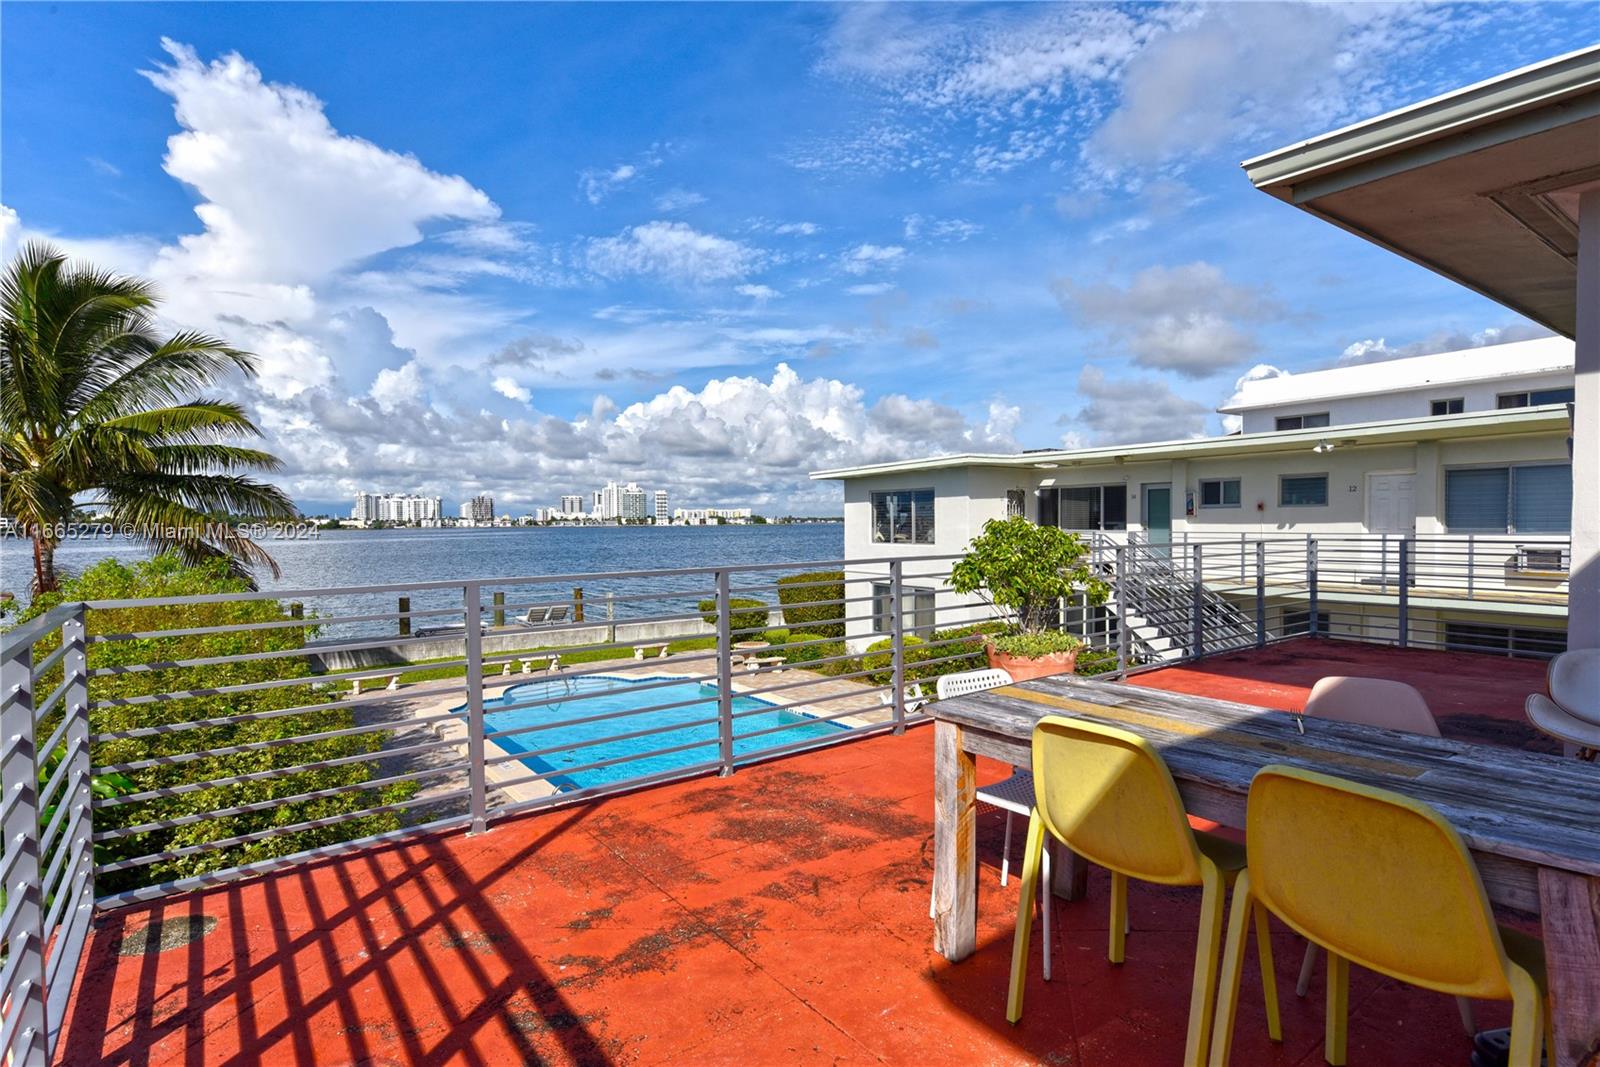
[(672, 250)]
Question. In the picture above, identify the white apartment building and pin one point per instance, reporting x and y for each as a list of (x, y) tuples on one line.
[(708, 516), (397, 507), (660, 513), (631, 503), (1472, 444)]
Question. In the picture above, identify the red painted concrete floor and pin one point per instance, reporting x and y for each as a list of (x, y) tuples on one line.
[(777, 916)]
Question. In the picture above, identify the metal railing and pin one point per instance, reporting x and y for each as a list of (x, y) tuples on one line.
[(154, 746)]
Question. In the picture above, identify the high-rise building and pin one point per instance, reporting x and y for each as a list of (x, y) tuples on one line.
[(479, 510), (632, 503), (397, 507), (662, 515), (572, 504), (366, 509)]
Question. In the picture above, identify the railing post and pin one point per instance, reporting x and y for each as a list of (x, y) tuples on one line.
[(1404, 619), (1311, 582), (477, 772), (724, 674), (75, 664), (1123, 640), (1199, 646), (1470, 567), (1383, 564), (19, 780), (1244, 561), (577, 603), (405, 616), (897, 643), (1261, 594), (500, 607)]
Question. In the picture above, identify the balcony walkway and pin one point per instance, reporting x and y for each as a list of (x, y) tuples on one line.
[(777, 916)]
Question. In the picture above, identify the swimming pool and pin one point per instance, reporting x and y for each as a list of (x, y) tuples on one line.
[(582, 698)]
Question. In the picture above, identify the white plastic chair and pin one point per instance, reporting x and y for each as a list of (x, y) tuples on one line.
[(1372, 702), (1571, 713)]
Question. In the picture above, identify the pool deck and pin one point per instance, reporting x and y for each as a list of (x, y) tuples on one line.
[(779, 915)]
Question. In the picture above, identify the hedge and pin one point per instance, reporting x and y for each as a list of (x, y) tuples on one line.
[(743, 614), (796, 594), (165, 576)]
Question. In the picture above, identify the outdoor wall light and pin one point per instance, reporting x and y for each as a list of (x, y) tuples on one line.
[(1323, 447)]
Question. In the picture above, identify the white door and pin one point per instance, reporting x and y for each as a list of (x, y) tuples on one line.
[(1392, 510)]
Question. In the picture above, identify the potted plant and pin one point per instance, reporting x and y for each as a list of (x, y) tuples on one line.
[(1024, 570)]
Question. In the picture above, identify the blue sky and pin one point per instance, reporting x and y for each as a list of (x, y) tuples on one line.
[(525, 249)]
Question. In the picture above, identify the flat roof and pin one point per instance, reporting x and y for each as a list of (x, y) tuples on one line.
[(1515, 359), (1477, 184), (1550, 418)]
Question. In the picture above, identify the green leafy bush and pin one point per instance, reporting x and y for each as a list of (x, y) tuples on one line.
[(743, 614), (797, 593), (1096, 661), (1023, 570), (1035, 645), (879, 659), (797, 651), (165, 576)]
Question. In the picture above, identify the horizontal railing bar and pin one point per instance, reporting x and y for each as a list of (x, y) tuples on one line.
[(275, 624), (606, 716), (630, 757), (271, 773), (261, 835), (648, 731), (274, 683), (79, 852), (794, 748), (253, 657), (178, 758), (57, 735), (278, 802), (44, 706), (848, 676), (31, 632), (587, 793), (826, 698), (142, 894), (803, 720), (375, 697), (56, 655)]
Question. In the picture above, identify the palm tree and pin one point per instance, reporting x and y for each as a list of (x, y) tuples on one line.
[(93, 402)]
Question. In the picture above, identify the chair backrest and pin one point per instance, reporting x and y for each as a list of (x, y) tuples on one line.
[(963, 682), (1372, 702), (537, 615), (1575, 683), (1376, 877), (1108, 794), (558, 614)]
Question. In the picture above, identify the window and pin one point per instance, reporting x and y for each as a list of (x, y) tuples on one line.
[(1299, 622), (1303, 491), (1533, 498), (1517, 641), (1015, 503), (1535, 397), (903, 517), (1219, 492), (1085, 507), (1453, 406), (1302, 422), (916, 612)]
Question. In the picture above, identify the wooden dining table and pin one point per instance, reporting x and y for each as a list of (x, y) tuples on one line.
[(1531, 821)]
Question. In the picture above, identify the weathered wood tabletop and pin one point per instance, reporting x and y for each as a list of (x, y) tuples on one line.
[(1532, 821)]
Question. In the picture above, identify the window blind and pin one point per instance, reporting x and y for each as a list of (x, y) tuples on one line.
[(1477, 499), (1541, 498)]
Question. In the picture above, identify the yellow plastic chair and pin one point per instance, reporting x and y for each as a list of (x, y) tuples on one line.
[(1109, 797), (1380, 880)]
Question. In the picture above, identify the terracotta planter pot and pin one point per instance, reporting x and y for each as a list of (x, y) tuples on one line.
[(1021, 668)]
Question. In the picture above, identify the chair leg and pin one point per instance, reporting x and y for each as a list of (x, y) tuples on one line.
[(1118, 924), (1306, 966), (1469, 1020), (1005, 852), (1228, 984), (1203, 997), (1045, 905), (1032, 857), (1527, 1022), (1338, 1022), (1269, 975)]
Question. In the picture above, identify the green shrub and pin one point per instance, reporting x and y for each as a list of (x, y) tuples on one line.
[(796, 594), (879, 659), (1023, 570), (1035, 645), (1096, 661), (795, 650), (165, 576), (743, 614)]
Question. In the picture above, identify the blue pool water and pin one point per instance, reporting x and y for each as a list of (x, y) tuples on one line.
[(600, 695)]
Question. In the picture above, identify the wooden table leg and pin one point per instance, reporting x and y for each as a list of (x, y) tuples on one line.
[(1069, 872), (955, 846), (1569, 906)]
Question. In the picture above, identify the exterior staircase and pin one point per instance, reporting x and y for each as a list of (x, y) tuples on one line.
[(1157, 597)]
